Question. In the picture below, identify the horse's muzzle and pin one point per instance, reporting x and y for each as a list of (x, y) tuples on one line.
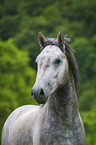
[(38, 95)]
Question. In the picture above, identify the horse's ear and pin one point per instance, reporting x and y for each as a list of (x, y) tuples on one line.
[(42, 40), (60, 38)]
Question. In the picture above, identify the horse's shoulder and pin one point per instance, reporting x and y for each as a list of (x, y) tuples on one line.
[(18, 115), (22, 111), (18, 122)]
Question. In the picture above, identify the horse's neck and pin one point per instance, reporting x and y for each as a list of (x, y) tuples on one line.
[(63, 103), (61, 121)]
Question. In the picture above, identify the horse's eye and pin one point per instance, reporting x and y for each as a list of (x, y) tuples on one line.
[(57, 61)]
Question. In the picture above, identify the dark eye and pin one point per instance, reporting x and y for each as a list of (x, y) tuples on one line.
[(57, 61)]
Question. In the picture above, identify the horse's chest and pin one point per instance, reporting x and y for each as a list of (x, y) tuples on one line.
[(55, 135)]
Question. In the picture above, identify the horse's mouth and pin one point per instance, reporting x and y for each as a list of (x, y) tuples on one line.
[(39, 96), (40, 100)]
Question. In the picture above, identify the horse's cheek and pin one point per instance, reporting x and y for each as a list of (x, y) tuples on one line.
[(62, 76)]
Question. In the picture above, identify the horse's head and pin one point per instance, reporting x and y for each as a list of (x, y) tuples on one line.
[(52, 68)]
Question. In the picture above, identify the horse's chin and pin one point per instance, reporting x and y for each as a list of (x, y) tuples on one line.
[(40, 100)]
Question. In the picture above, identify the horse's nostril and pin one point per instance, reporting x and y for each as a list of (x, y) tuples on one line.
[(32, 94), (41, 93)]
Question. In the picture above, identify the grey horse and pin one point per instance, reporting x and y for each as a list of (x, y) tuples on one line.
[(57, 121)]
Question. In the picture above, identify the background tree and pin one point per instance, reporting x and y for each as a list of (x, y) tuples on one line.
[(16, 79)]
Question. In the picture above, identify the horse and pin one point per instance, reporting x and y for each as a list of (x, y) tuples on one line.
[(57, 120)]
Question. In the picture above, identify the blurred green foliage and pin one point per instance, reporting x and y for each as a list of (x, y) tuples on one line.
[(20, 22), (16, 79), (89, 120)]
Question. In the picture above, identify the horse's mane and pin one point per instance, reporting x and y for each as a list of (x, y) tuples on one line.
[(72, 64), (70, 56)]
